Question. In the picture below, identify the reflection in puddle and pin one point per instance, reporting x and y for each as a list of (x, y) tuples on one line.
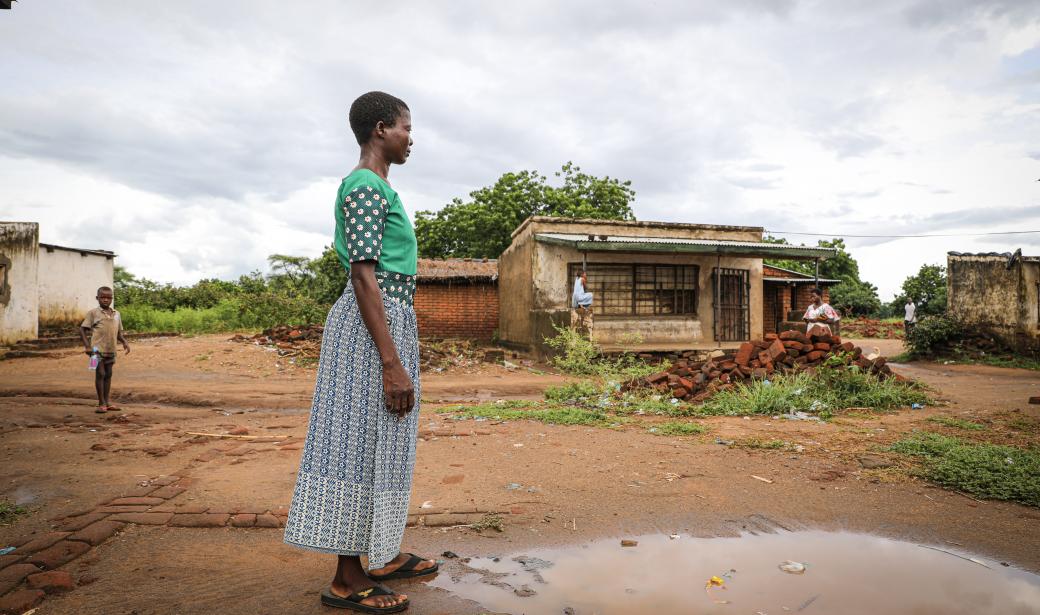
[(844, 573)]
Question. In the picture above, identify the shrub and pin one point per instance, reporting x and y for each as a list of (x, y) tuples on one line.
[(934, 334), (575, 353)]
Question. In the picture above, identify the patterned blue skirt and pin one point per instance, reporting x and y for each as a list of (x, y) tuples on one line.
[(355, 477)]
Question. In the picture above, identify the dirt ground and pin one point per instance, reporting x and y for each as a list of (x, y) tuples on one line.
[(553, 485)]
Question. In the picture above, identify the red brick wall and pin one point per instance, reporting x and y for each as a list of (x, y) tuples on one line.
[(457, 310), (770, 298), (803, 296)]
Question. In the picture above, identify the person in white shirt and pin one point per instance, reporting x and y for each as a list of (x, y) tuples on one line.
[(819, 316), (581, 297), (910, 318)]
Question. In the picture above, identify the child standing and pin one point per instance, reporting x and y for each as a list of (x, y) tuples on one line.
[(105, 328)]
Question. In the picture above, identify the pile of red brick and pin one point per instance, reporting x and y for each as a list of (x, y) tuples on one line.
[(788, 352)]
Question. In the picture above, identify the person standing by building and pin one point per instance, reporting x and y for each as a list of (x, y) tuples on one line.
[(355, 476), (581, 297), (909, 317), (104, 326), (819, 316)]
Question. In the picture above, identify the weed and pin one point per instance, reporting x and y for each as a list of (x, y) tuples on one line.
[(490, 521), (761, 444), (949, 421), (578, 355), (1025, 424), (573, 392), (985, 470), (677, 428), (828, 390), (10, 512), (552, 414)]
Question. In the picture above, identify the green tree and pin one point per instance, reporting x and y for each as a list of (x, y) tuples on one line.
[(928, 290), (482, 227), (855, 298)]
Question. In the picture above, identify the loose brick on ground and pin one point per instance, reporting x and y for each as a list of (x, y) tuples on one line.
[(52, 581), (164, 480), (191, 509), (122, 508), (74, 524), (148, 518), (199, 520), (97, 533), (11, 576), (20, 601), (39, 543), (170, 491), (60, 554), (243, 520), (7, 560), (267, 520), (139, 501)]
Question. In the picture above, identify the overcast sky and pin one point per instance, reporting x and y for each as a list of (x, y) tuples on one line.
[(196, 138)]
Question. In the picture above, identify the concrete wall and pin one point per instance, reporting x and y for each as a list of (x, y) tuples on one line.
[(984, 292), (534, 287), (19, 296), (68, 281)]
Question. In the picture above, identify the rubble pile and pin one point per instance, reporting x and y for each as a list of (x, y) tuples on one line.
[(871, 327), (434, 355), (788, 352), (301, 341)]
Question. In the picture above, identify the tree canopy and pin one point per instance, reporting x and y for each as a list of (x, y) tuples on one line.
[(928, 290), (482, 226)]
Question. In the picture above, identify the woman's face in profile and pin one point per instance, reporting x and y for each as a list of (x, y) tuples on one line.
[(398, 138)]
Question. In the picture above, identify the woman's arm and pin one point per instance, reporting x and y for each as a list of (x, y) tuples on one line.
[(397, 386)]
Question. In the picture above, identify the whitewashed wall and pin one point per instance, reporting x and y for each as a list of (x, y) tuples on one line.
[(69, 280), (19, 299)]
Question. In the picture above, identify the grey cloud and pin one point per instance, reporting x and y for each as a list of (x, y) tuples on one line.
[(938, 13), (751, 182), (848, 144)]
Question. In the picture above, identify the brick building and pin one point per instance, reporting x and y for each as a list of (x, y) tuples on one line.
[(457, 298), (786, 294)]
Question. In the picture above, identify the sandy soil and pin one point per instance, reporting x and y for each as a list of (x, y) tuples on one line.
[(577, 483)]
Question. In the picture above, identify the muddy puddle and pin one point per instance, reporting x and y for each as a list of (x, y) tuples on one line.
[(829, 573)]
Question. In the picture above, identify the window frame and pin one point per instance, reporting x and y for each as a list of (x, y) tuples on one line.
[(684, 284)]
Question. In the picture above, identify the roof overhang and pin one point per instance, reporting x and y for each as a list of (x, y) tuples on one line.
[(660, 245)]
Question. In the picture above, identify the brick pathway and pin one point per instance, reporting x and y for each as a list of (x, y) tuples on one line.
[(33, 570)]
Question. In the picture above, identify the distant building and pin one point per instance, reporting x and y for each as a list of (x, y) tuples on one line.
[(44, 283), (457, 297), (672, 286), (999, 293), (786, 294)]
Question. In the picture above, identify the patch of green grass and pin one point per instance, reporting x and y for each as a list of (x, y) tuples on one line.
[(490, 521), (571, 392), (903, 357), (823, 393), (949, 421), (758, 443), (9, 512), (531, 411), (677, 428), (984, 470)]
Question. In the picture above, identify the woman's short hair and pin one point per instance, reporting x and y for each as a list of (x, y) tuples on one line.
[(370, 109), (817, 291)]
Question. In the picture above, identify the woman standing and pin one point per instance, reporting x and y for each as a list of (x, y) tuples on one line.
[(819, 316), (355, 477)]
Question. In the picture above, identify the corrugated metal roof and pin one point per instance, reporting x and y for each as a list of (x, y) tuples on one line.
[(809, 280), (591, 243), (438, 269)]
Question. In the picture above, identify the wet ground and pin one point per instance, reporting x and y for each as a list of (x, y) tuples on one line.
[(580, 485), (811, 572)]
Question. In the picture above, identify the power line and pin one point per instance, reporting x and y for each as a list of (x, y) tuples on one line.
[(903, 236)]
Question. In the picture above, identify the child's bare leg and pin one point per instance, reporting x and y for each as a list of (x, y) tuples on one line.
[(108, 379), (99, 384)]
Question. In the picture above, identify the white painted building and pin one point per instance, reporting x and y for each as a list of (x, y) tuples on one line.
[(44, 283)]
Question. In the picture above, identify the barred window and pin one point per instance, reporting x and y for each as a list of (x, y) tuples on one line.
[(639, 290)]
